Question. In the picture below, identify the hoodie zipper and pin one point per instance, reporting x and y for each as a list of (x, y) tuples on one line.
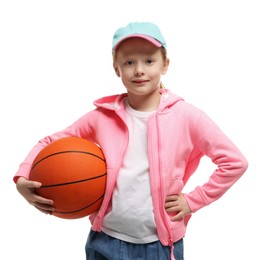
[(155, 184)]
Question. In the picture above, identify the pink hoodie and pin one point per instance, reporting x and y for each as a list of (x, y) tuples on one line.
[(179, 134)]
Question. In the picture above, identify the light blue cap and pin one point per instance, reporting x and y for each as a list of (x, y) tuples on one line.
[(145, 30)]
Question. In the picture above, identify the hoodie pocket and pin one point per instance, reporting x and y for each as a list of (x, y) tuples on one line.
[(173, 186)]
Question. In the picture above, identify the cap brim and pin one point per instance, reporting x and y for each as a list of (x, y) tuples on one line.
[(146, 37)]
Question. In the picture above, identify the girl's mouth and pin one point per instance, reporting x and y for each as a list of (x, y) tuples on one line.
[(140, 81)]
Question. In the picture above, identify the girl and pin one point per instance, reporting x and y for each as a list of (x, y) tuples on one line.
[(152, 141)]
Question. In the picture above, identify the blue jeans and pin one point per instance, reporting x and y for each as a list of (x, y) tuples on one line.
[(100, 246)]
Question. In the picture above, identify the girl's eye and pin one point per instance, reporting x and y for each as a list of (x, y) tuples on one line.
[(149, 61), (129, 62)]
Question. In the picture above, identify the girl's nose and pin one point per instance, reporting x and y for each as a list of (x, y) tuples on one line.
[(138, 70)]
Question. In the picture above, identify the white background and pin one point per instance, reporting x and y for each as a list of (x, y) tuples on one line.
[(55, 59)]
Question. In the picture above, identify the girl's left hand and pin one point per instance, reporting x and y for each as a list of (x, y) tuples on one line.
[(178, 205)]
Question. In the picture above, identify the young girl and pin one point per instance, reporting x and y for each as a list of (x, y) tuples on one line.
[(153, 141)]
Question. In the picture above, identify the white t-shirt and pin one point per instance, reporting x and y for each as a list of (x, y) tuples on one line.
[(130, 216)]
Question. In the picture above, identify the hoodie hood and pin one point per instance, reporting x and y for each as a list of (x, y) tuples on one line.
[(116, 101)]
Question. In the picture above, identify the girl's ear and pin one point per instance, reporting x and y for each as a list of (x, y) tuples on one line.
[(165, 66), (116, 69)]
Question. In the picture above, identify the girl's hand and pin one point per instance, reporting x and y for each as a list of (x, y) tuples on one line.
[(27, 189), (178, 205)]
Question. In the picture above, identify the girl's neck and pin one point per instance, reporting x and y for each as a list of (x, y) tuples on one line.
[(145, 103)]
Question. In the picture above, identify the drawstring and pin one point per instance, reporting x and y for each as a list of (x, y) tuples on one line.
[(172, 251)]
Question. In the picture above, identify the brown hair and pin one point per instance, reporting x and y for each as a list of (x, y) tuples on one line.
[(164, 54)]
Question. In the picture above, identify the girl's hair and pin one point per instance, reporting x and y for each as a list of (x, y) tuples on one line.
[(164, 54)]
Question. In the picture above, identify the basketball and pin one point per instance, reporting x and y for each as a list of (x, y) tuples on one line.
[(72, 171)]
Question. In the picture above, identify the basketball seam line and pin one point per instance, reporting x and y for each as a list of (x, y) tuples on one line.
[(74, 211), (70, 151), (72, 182)]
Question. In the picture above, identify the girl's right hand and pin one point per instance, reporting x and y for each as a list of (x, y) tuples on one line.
[(27, 189)]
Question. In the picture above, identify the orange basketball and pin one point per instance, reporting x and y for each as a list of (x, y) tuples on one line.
[(72, 171)]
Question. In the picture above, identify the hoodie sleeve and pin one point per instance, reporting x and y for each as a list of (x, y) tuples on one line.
[(230, 162), (83, 127)]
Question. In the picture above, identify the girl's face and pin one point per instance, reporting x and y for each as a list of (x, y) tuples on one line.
[(140, 65)]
